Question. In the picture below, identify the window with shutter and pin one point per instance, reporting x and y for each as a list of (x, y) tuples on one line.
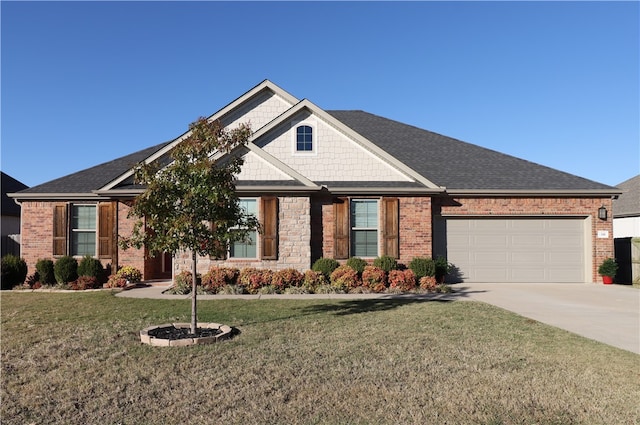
[(269, 228), (390, 233), (105, 230), (60, 226), (342, 229)]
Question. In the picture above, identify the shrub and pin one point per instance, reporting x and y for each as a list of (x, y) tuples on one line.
[(14, 271), (428, 283), (218, 277), (130, 273), (85, 282), (344, 278), (32, 281), (45, 272), (402, 280), (65, 270), (326, 266), (422, 266), (374, 278), (386, 263), (608, 267), (442, 267), (116, 281), (357, 264), (286, 278), (312, 280), (90, 266), (253, 279)]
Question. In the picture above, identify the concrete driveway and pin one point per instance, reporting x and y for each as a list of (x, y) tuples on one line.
[(605, 313)]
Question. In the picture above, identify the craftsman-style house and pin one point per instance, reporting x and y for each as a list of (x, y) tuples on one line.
[(348, 183)]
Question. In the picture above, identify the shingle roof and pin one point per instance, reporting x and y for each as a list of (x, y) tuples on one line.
[(455, 164), (10, 185), (628, 203), (94, 178)]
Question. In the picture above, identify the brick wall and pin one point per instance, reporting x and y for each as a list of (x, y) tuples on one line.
[(587, 208), (415, 228), (36, 233), (131, 256)]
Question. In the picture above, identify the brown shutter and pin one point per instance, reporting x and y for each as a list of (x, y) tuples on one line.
[(60, 226), (105, 230), (390, 230), (269, 228), (342, 229)]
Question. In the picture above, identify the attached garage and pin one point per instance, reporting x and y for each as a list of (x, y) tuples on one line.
[(515, 249)]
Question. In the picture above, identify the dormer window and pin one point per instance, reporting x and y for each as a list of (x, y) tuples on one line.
[(304, 138)]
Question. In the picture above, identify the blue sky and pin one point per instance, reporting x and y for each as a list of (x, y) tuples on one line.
[(556, 83)]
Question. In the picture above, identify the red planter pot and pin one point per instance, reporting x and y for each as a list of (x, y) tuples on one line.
[(607, 280)]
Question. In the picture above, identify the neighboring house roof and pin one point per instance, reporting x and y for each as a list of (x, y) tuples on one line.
[(433, 162), (457, 165), (10, 185), (628, 203)]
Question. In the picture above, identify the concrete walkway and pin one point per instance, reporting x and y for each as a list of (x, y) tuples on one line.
[(605, 313)]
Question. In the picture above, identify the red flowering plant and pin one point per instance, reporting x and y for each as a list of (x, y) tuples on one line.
[(219, 277), (374, 278), (84, 282), (345, 278), (428, 283), (254, 279), (287, 277), (402, 280)]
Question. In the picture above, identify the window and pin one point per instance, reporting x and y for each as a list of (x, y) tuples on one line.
[(364, 228), (304, 139), (83, 230), (247, 248)]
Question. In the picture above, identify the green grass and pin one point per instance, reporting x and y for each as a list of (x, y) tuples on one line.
[(76, 359)]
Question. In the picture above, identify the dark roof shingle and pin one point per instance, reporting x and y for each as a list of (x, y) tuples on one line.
[(455, 164)]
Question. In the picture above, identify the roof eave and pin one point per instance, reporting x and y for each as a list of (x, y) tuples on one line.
[(533, 192), (20, 197)]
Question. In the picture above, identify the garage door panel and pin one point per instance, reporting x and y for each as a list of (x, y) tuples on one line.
[(517, 249)]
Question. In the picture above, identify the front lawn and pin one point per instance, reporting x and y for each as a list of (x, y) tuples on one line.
[(75, 358)]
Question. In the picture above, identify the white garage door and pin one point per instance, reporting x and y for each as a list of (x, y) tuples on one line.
[(517, 249)]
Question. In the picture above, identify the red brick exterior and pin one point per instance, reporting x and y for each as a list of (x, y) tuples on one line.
[(36, 233), (601, 248)]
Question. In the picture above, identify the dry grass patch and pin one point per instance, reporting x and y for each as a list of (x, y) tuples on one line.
[(77, 359)]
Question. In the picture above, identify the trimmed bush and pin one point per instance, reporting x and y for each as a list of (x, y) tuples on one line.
[(14, 271), (374, 278), (219, 277), (402, 280), (313, 280), (65, 270), (386, 263), (85, 282), (287, 278), (326, 266), (45, 272), (442, 267), (422, 266), (345, 278), (253, 279), (357, 264), (428, 283), (90, 266)]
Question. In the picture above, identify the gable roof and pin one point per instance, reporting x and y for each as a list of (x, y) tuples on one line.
[(436, 163), (459, 166), (628, 203), (9, 185)]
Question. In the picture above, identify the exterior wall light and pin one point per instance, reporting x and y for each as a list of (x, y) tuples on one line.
[(602, 213)]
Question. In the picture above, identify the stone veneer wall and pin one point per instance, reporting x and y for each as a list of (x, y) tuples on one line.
[(294, 242), (601, 248)]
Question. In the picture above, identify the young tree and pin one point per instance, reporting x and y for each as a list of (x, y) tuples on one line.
[(190, 203)]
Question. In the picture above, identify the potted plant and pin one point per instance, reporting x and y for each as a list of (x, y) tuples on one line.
[(442, 269), (608, 270)]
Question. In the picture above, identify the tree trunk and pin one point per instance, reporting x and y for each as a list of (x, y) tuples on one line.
[(194, 314)]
